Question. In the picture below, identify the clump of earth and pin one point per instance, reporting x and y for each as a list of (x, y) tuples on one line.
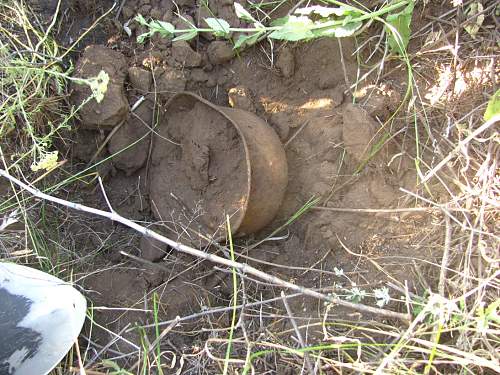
[(198, 170)]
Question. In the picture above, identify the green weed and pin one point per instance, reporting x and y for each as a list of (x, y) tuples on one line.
[(306, 23), (234, 299)]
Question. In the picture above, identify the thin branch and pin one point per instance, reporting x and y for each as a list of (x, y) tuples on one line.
[(384, 210), (244, 268), (296, 134), (218, 310), (446, 257), (307, 358), (105, 195)]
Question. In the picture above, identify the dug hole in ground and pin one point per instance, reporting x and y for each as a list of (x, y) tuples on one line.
[(355, 143)]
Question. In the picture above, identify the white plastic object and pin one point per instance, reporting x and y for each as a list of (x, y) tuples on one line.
[(41, 316)]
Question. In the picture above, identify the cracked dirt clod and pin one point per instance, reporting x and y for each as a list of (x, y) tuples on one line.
[(184, 54), (358, 131), (169, 81), (114, 107), (199, 75), (139, 78), (241, 97), (152, 250), (132, 158), (286, 62), (220, 52)]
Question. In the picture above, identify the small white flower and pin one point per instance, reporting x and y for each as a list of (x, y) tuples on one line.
[(382, 296), (337, 285), (356, 295), (338, 271)]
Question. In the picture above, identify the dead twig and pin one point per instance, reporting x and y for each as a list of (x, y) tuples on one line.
[(220, 310), (383, 210), (296, 134), (446, 257), (106, 141), (307, 359)]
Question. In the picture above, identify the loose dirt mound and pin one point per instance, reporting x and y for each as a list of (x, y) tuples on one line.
[(114, 107), (130, 143), (199, 171)]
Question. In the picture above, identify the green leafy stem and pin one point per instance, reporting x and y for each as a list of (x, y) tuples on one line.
[(304, 24)]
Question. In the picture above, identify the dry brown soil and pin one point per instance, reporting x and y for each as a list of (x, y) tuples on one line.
[(304, 92)]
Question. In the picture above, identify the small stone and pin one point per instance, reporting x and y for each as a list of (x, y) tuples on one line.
[(127, 12), (199, 75), (183, 22), (152, 250), (139, 78), (131, 158), (220, 52), (286, 62), (171, 82), (327, 80), (241, 97), (184, 54), (156, 13)]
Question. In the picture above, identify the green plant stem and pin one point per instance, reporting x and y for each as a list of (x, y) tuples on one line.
[(235, 298), (49, 72), (157, 333), (324, 25), (428, 366)]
